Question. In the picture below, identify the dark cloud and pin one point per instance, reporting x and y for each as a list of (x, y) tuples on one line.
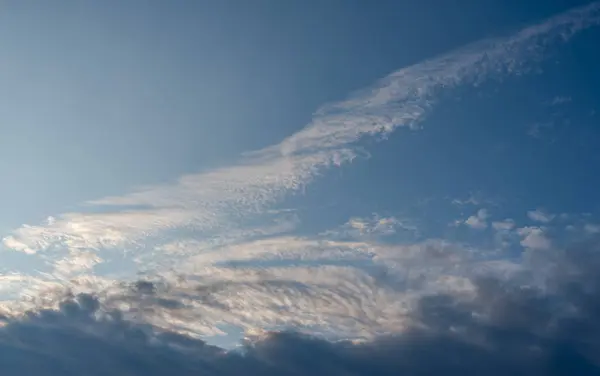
[(509, 329)]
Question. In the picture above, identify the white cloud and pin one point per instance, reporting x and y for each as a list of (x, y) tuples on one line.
[(13, 285), (591, 228), (506, 225), (534, 238), (479, 220), (540, 215), (12, 242), (77, 262)]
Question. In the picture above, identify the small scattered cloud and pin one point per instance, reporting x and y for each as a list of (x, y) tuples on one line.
[(505, 225), (537, 130), (475, 199), (504, 235), (558, 100), (374, 226), (592, 228), (534, 238), (471, 200), (479, 220), (539, 215)]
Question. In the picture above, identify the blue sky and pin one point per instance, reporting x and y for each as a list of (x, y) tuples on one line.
[(133, 94), (229, 170)]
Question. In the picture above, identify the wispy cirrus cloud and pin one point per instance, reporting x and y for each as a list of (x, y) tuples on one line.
[(209, 200)]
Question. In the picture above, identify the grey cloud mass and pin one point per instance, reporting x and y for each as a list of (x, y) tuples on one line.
[(505, 329)]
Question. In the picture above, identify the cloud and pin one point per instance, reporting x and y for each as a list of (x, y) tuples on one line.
[(475, 199), (540, 215), (479, 220), (591, 228), (536, 129), (76, 262), (534, 238), (335, 288), (377, 225), (506, 225), (560, 100), (338, 289), (505, 327), (471, 200), (374, 226), (210, 201)]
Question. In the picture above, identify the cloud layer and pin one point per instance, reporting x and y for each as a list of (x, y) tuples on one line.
[(503, 329)]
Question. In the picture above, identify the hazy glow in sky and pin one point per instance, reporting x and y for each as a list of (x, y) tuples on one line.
[(339, 178)]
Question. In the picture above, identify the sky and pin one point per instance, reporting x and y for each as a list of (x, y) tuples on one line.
[(299, 187)]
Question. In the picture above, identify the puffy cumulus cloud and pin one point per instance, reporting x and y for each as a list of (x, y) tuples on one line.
[(548, 328), (540, 215), (534, 238), (479, 220), (209, 201)]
